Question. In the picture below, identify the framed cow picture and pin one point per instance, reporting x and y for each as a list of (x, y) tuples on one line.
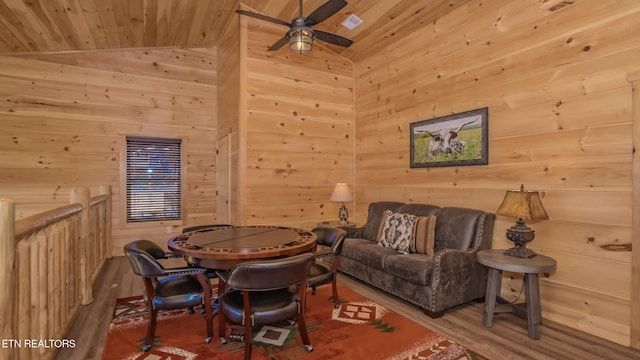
[(452, 140)]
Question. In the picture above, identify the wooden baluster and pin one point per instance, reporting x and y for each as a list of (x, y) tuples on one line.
[(83, 196), (8, 318), (23, 301), (106, 190)]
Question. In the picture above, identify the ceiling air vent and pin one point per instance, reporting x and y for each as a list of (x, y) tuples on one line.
[(351, 22)]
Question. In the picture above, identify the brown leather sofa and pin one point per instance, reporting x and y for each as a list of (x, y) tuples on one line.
[(449, 277)]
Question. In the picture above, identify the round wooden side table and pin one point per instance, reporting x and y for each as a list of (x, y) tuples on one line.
[(497, 262)]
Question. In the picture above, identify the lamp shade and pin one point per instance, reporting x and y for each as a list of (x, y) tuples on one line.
[(522, 204), (341, 193)]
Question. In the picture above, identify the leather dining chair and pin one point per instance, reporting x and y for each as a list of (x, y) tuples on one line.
[(325, 269), (168, 288), (265, 292)]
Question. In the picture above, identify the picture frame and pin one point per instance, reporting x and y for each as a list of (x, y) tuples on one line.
[(453, 140)]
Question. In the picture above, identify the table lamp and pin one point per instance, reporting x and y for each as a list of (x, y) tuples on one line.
[(342, 193), (523, 205)]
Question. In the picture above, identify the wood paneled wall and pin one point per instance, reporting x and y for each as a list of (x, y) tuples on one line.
[(554, 76), (231, 51), (299, 120), (64, 118)]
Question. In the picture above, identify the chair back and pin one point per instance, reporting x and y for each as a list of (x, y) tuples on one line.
[(142, 255), (332, 237), (271, 274), (167, 289)]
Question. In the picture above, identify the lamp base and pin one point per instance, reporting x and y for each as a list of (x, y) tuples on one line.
[(520, 252), (520, 234), (343, 214)]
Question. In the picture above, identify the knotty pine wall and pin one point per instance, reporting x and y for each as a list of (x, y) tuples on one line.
[(64, 118), (289, 122), (554, 76), (231, 47), (300, 126)]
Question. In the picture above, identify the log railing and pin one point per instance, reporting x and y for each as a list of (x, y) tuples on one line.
[(48, 263)]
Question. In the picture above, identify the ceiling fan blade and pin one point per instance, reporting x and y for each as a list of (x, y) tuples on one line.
[(263, 17), (333, 38), (280, 43), (324, 11)]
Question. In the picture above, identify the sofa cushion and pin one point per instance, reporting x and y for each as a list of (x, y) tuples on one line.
[(396, 231), (366, 252), (424, 233), (456, 228), (418, 209), (371, 227), (414, 268)]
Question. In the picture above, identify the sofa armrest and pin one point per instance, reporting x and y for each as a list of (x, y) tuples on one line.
[(457, 278), (353, 232), (454, 259)]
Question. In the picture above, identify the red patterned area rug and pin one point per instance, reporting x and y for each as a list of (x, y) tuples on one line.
[(359, 329)]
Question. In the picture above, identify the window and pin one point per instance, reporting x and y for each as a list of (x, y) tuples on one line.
[(154, 177)]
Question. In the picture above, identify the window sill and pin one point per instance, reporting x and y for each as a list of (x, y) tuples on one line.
[(152, 223)]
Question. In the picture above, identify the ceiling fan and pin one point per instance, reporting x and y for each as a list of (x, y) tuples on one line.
[(300, 35)]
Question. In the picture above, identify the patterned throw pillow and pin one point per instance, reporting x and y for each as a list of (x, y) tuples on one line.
[(423, 240), (396, 231)]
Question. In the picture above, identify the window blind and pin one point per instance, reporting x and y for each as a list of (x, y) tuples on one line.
[(154, 177)]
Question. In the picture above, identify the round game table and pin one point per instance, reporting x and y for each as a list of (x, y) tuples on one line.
[(224, 247)]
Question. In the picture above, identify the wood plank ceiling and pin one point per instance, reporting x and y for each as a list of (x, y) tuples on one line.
[(67, 25)]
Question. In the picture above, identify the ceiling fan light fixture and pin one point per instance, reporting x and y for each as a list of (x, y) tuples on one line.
[(301, 39), (300, 35)]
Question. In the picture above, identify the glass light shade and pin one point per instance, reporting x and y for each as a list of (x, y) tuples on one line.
[(301, 39), (341, 193)]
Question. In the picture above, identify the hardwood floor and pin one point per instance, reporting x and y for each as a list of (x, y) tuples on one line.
[(507, 339)]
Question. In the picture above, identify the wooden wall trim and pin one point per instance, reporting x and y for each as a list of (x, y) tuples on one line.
[(354, 161), (634, 78), (242, 121)]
